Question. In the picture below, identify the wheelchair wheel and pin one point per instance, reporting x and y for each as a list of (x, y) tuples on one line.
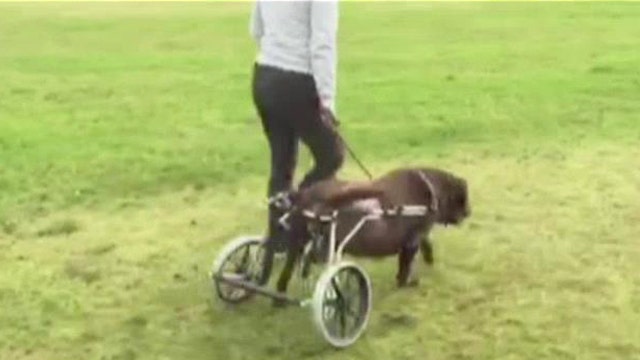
[(240, 259), (341, 304)]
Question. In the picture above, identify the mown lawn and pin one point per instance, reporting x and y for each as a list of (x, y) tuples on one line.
[(130, 153)]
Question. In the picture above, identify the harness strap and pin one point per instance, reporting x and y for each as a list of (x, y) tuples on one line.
[(322, 218), (432, 189), (404, 210)]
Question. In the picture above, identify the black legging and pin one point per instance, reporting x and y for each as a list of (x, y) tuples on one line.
[(287, 103)]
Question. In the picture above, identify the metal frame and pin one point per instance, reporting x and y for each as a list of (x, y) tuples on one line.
[(335, 251), (250, 286)]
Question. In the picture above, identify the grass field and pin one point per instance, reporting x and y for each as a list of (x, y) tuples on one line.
[(130, 153)]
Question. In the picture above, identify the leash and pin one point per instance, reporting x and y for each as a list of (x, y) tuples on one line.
[(336, 124), (354, 157)]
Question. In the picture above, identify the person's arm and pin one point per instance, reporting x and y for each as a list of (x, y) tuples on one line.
[(324, 31), (256, 26)]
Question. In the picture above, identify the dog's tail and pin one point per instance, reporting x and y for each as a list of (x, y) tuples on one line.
[(353, 192)]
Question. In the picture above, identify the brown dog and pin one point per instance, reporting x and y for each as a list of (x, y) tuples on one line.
[(444, 194)]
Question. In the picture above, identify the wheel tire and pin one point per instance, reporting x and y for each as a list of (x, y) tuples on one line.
[(226, 292), (326, 292)]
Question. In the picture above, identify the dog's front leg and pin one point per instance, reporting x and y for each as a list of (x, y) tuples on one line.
[(426, 249), (405, 264)]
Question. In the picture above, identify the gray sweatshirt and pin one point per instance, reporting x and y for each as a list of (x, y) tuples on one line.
[(300, 36)]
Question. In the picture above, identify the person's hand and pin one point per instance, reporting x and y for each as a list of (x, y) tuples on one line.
[(328, 117)]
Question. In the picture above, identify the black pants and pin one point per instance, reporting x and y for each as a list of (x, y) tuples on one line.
[(287, 103)]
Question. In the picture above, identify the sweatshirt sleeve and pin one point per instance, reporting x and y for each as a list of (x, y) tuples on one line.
[(255, 24), (324, 29)]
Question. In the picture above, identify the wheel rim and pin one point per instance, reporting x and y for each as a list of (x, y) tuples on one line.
[(242, 263), (344, 304)]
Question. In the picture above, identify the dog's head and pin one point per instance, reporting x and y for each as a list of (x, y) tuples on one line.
[(451, 195)]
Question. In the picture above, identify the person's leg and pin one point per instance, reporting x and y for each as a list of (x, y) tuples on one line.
[(284, 150), (321, 137), (283, 147), (327, 151)]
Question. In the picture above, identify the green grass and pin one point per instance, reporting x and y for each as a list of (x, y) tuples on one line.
[(130, 153)]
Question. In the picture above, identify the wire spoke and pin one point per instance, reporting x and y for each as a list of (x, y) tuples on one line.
[(343, 320), (245, 258), (336, 288)]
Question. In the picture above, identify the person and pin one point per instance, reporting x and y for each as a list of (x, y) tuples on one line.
[(294, 92)]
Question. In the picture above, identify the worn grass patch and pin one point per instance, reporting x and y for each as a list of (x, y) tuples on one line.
[(58, 228)]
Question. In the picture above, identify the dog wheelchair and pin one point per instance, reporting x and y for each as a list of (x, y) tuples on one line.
[(340, 300)]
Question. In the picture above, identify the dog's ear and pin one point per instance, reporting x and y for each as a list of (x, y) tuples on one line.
[(353, 192)]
